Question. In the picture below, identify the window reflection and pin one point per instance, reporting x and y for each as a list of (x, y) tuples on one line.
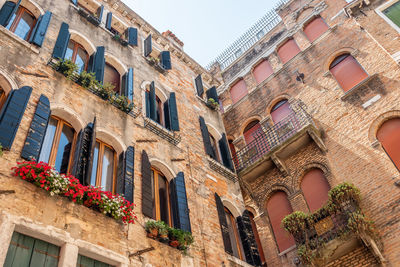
[(161, 206), (77, 54), (22, 23), (103, 167)]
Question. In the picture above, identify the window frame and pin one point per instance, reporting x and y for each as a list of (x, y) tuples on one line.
[(18, 15), (99, 168), (308, 23), (215, 146), (119, 74), (282, 44), (235, 230), (258, 64), (379, 10), (156, 203), (3, 97), (75, 53)]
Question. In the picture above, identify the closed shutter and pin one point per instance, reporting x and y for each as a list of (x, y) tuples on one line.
[(37, 130), (238, 91), (153, 102), (147, 188), (80, 167), (199, 85), (108, 21), (128, 84), (7, 11), (11, 115), (388, 135), (132, 36), (125, 182), (166, 60), (173, 112), (212, 93), (248, 239), (92, 145), (167, 116), (315, 189), (288, 50), (224, 224), (179, 203), (147, 99), (40, 29), (99, 63), (225, 154), (147, 46), (262, 71), (206, 138), (62, 41), (315, 29)]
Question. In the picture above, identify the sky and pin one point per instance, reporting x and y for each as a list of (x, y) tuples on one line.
[(206, 27)]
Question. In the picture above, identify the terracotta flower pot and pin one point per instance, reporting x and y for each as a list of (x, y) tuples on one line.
[(174, 243), (154, 232)]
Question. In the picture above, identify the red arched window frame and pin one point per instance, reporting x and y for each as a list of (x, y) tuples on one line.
[(250, 130), (3, 97), (389, 137), (234, 235), (280, 111), (315, 28), (257, 237), (315, 189), (78, 55)]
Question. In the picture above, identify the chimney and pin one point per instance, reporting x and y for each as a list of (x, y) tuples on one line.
[(172, 37)]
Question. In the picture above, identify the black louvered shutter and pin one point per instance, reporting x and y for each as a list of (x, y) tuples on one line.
[(206, 138), (166, 60), (125, 184), (62, 41), (37, 130), (39, 31), (108, 21), (7, 11), (80, 167), (153, 102), (92, 144), (212, 93), (173, 112), (128, 84), (179, 203), (225, 153), (248, 240), (147, 190), (11, 115), (147, 96), (147, 46), (166, 116), (99, 63), (132, 36), (199, 85), (224, 224), (99, 13)]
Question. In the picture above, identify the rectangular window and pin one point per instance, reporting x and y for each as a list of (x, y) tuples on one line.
[(238, 91), (288, 50), (393, 13), (88, 262), (315, 29)]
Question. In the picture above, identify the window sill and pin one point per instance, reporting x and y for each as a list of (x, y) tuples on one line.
[(221, 169), (161, 131), (356, 88), (19, 40), (89, 17), (237, 261), (156, 64)]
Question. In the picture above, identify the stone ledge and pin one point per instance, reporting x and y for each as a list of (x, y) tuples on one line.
[(161, 131), (358, 87), (221, 169), (19, 40), (237, 261)]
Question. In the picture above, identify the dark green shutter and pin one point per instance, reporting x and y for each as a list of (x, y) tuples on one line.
[(80, 167), (7, 11), (62, 41), (147, 46), (88, 262), (248, 240), (224, 225), (199, 85), (225, 153), (212, 93), (167, 116), (125, 180), (108, 21), (173, 112), (37, 130), (179, 203), (128, 84), (92, 145), (132, 36), (147, 189), (99, 63), (147, 96), (206, 138), (39, 32), (166, 60), (11, 115), (153, 102)]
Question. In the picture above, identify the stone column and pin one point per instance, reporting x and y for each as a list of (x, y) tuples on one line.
[(68, 255)]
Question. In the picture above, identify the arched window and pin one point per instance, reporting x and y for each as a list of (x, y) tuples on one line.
[(288, 50), (251, 130), (104, 166), (236, 243), (389, 136), (280, 111), (238, 91), (22, 23), (257, 237), (77, 54), (278, 207), (262, 71), (315, 28), (58, 144), (315, 188), (161, 203), (111, 76), (347, 71)]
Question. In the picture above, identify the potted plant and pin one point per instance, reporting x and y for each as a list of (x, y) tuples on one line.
[(163, 230), (211, 103), (174, 236), (186, 239), (151, 229), (87, 79), (1, 150), (67, 68)]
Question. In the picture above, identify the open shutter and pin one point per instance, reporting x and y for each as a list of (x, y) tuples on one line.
[(166, 116), (224, 225), (99, 63), (7, 11), (37, 130), (147, 96), (199, 85), (80, 167), (128, 84), (173, 112), (132, 36), (62, 41), (108, 21), (225, 153), (166, 60), (206, 138), (92, 144), (147, 189), (153, 102), (99, 13), (125, 184), (248, 240), (11, 115), (39, 32), (179, 203), (147, 46), (212, 93)]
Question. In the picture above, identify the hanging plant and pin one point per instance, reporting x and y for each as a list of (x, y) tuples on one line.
[(344, 192), (295, 222)]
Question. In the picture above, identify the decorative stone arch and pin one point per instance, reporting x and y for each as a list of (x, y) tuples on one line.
[(68, 115), (214, 132), (249, 120), (253, 210), (116, 63), (275, 101), (339, 52), (6, 82), (377, 123), (82, 40), (258, 62), (299, 174), (272, 189), (159, 92), (32, 6), (110, 139), (232, 207), (304, 14), (163, 168)]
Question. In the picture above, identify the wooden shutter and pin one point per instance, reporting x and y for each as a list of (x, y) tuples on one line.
[(99, 13), (80, 167), (212, 93), (315, 188), (288, 50), (389, 137), (166, 60), (37, 130), (179, 203), (199, 85), (225, 154), (147, 96), (167, 116), (315, 29), (281, 111), (39, 31), (11, 115), (44, 254), (153, 102), (248, 239), (92, 144), (132, 36), (62, 41), (224, 224), (147, 46), (393, 13), (125, 180), (348, 73), (128, 84), (206, 138), (7, 11), (108, 21), (99, 63), (173, 112), (250, 134), (147, 189), (262, 71)]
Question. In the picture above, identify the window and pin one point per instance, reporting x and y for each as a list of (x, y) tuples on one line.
[(88, 262), (22, 23), (234, 235), (28, 251), (393, 13), (238, 91), (3, 97), (389, 136), (76, 53), (58, 144), (315, 188), (262, 71), (214, 146), (251, 130), (288, 50), (315, 29), (111, 76), (280, 111), (257, 237), (161, 204), (347, 71), (104, 166)]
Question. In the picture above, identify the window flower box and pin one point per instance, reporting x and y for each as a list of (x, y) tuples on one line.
[(155, 62), (92, 18), (117, 37)]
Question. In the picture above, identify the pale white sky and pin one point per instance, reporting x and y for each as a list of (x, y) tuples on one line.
[(206, 27)]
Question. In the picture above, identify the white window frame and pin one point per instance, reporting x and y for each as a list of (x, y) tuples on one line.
[(379, 11)]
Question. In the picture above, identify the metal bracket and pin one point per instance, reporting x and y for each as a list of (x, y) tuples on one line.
[(140, 252)]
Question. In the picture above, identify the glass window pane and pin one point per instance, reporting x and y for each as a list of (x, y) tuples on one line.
[(107, 169), (163, 193), (11, 21), (393, 13), (232, 235), (24, 25), (81, 57), (111, 76), (94, 166), (153, 194), (64, 149), (48, 140), (70, 50)]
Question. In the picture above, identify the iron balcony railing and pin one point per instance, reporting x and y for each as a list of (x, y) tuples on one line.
[(266, 140)]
